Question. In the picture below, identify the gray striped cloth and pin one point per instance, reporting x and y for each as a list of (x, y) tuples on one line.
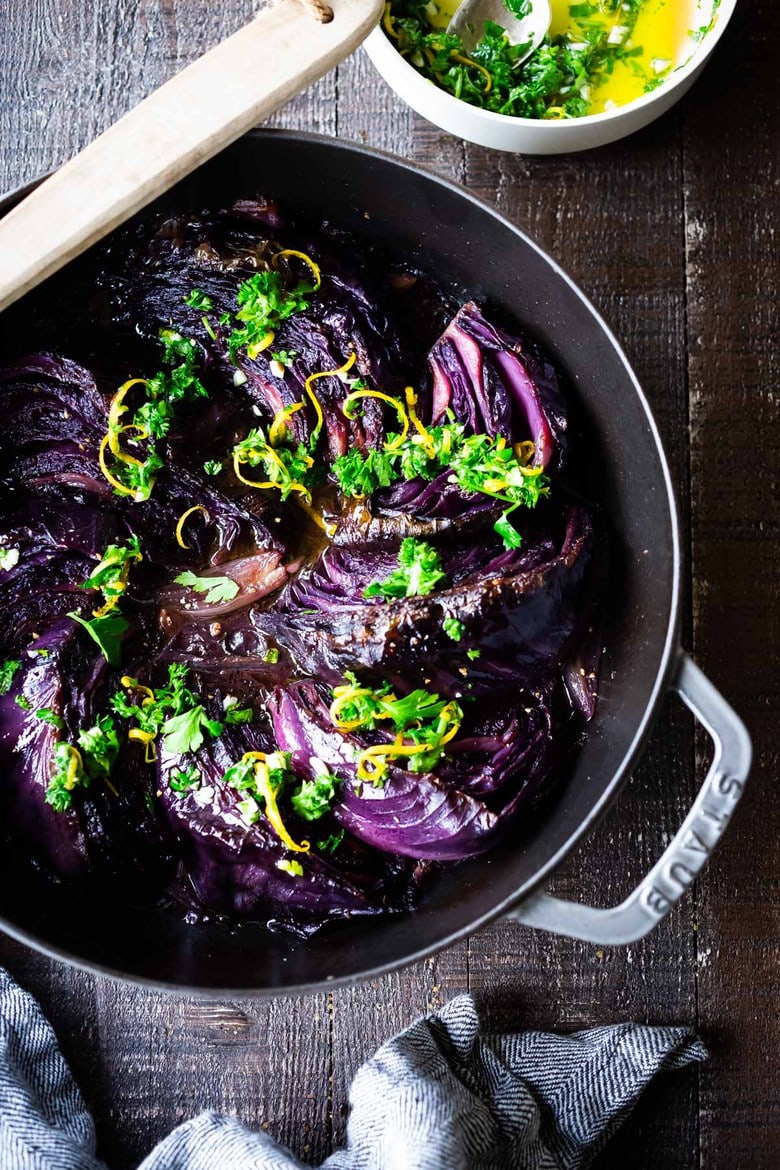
[(440, 1096)]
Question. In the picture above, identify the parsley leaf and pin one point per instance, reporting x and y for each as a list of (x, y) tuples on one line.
[(212, 467), (197, 299), (47, 715), (107, 632), (184, 733), (236, 714), (419, 572), (171, 709), (331, 843), (99, 746), (217, 589)]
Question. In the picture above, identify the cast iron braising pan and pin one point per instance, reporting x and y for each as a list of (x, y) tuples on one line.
[(463, 242)]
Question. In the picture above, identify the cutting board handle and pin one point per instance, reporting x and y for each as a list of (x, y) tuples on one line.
[(188, 120)]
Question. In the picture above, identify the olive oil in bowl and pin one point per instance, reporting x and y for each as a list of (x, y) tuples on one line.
[(652, 35)]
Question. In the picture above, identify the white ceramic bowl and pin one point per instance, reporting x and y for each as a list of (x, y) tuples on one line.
[(535, 136)]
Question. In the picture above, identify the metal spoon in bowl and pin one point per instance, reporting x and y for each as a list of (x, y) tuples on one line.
[(529, 30)]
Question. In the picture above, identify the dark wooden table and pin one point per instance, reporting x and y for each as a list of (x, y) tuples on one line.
[(670, 233)]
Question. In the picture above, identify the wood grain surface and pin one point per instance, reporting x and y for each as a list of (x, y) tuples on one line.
[(671, 234), (183, 123)]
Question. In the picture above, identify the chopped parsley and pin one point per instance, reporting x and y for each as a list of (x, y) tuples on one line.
[(697, 35), (99, 746), (286, 468), (108, 626), (197, 299), (263, 303), (518, 8), (111, 575), (261, 778), (180, 383), (137, 479), (7, 673), (236, 714), (314, 797), (478, 464), (217, 589), (183, 779), (453, 628), (241, 776), (293, 868), (490, 466), (151, 420), (423, 724), (473, 654), (331, 843), (172, 710), (23, 702), (362, 473), (271, 656), (285, 357), (76, 767), (419, 572), (68, 773)]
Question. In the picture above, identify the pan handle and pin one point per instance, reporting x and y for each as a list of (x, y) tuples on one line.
[(689, 850)]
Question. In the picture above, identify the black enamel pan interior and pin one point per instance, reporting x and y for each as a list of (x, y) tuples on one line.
[(463, 242)]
